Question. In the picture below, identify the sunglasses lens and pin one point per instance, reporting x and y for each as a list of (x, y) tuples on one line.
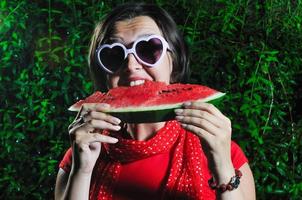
[(149, 51), (112, 58)]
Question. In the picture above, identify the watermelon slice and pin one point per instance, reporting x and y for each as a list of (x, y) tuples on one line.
[(149, 102)]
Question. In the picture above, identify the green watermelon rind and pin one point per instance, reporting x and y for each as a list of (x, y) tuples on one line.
[(158, 114), (152, 114)]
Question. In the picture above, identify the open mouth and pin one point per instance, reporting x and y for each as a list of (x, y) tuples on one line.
[(137, 82)]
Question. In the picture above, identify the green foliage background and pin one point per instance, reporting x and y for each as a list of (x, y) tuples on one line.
[(251, 50)]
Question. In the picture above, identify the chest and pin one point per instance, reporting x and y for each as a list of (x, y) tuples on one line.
[(142, 178)]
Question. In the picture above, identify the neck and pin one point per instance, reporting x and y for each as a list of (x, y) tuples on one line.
[(143, 132)]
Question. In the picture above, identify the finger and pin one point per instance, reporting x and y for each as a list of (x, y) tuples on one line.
[(87, 107), (76, 125), (79, 113), (201, 123), (198, 131), (103, 116), (104, 138), (91, 125), (203, 106), (200, 114), (101, 124), (207, 107), (90, 137), (102, 107), (95, 106)]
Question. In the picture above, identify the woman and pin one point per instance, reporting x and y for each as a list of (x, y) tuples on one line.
[(191, 157)]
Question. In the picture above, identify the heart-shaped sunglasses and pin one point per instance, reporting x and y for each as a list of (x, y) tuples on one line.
[(147, 50)]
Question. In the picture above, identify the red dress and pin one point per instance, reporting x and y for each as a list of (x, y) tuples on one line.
[(171, 165)]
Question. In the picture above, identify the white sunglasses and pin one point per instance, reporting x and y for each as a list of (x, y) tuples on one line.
[(147, 50)]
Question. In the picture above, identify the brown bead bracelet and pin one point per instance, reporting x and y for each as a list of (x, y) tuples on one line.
[(233, 183)]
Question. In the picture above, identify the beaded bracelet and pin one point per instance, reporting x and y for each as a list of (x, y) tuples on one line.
[(233, 183)]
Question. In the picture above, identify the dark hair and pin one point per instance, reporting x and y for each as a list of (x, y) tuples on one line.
[(165, 23)]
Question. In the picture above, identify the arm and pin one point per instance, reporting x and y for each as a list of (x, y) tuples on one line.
[(86, 147), (246, 189), (247, 185), (214, 130), (72, 186)]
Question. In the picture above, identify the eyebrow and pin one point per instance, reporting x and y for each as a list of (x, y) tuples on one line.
[(115, 39), (120, 39)]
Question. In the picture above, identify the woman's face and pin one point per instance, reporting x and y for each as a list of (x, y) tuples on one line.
[(133, 72)]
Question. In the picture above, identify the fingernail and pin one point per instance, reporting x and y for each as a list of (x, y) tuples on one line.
[(117, 128), (184, 125), (114, 140), (178, 111), (178, 118), (187, 103), (104, 105), (116, 121)]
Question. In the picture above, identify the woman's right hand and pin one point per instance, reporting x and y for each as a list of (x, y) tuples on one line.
[(85, 135)]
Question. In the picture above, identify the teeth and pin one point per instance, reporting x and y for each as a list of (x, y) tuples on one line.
[(138, 82)]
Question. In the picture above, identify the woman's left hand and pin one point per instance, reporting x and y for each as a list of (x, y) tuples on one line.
[(215, 131)]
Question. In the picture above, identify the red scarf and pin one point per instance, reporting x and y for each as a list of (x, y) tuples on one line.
[(186, 175)]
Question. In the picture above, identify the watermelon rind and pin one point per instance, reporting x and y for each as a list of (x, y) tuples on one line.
[(151, 114)]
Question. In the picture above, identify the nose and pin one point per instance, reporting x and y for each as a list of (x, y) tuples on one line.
[(132, 63)]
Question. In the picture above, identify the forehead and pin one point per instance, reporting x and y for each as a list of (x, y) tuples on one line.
[(131, 29)]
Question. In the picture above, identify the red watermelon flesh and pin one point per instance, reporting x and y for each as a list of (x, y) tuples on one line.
[(150, 96), (149, 102)]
